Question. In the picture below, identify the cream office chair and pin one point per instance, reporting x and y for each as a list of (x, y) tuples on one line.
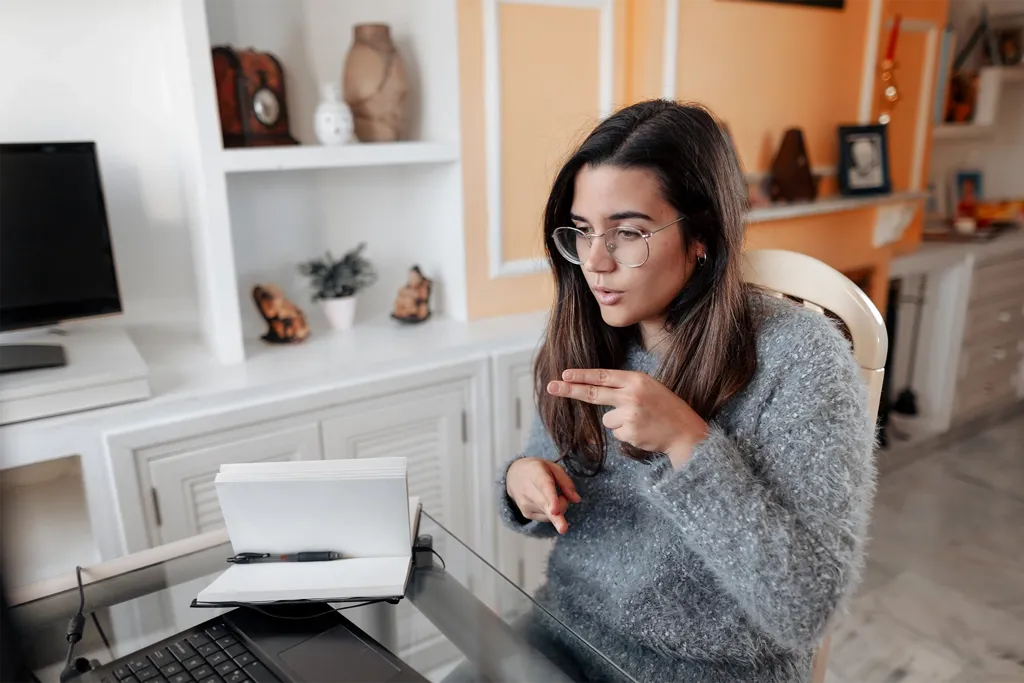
[(817, 286)]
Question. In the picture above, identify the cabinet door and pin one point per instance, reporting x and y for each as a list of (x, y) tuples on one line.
[(522, 559), (183, 495), (428, 427)]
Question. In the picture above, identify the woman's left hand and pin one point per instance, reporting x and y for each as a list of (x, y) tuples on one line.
[(645, 413)]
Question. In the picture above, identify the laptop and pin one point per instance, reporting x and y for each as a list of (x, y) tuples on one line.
[(305, 643)]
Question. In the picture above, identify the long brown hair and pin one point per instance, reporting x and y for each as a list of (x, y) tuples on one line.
[(709, 352)]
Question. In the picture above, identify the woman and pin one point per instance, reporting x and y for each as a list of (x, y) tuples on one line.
[(703, 453)]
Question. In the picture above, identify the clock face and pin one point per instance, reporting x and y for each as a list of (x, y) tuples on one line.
[(266, 107)]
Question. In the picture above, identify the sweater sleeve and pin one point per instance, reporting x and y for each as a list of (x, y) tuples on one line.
[(538, 445), (779, 515)]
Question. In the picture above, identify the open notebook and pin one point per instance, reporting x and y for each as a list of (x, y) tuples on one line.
[(358, 507)]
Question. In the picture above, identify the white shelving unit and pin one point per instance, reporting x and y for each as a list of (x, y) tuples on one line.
[(303, 157), (991, 82), (256, 213)]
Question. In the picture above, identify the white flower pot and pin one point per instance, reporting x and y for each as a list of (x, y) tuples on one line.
[(340, 312)]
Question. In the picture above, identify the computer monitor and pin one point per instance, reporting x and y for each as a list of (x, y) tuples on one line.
[(56, 257)]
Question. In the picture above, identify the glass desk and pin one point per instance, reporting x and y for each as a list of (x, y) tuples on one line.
[(460, 620)]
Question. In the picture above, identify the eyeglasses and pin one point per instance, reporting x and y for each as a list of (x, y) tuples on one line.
[(626, 244)]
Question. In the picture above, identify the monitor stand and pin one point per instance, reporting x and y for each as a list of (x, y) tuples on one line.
[(19, 357)]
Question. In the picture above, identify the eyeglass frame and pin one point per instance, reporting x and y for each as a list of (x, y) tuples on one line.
[(591, 235)]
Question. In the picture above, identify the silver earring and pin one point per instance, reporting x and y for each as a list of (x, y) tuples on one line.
[(701, 260)]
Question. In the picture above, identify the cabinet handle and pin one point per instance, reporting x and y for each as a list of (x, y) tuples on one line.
[(1003, 317), (465, 427), (519, 413), (156, 506)]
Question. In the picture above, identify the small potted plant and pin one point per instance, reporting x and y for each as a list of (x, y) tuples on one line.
[(336, 283)]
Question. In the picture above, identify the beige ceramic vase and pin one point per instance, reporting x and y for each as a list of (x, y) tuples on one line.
[(375, 84)]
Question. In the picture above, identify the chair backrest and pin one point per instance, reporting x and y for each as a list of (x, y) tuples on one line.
[(815, 285)]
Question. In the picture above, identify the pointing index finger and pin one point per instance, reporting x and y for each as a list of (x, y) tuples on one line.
[(615, 379)]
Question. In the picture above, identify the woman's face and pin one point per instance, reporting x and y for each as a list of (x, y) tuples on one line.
[(607, 197)]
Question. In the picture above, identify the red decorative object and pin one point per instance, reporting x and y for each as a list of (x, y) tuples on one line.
[(286, 324), (894, 33), (251, 98), (890, 92)]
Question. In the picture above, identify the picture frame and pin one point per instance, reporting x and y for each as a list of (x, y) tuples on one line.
[(967, 190), (824, 4), (1009, 43), (864, 160)]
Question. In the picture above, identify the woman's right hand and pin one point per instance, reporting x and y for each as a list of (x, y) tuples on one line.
[(542, 491)]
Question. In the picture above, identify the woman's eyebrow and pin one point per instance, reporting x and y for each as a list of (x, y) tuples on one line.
[(618, 216), (624, 215)]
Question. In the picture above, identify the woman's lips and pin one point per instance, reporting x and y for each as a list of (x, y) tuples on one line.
[(607, 297)]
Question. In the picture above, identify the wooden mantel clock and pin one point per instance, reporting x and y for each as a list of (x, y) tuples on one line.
[(251, 98)]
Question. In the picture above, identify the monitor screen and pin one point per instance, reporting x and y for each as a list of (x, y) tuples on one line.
[(56, 260)]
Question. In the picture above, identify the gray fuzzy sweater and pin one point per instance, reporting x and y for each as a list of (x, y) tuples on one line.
[(729, 568)]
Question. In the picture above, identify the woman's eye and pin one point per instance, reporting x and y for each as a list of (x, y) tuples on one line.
[(628, 235)]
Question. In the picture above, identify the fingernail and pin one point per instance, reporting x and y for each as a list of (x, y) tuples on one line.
[(567, 375), (552, 387)]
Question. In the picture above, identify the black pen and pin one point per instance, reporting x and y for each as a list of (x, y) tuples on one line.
[(247, 558)]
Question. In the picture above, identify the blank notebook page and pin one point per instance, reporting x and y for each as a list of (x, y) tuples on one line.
[(343, 579), (368, 518)]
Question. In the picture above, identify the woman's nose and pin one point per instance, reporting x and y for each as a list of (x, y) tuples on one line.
[(599, 260)]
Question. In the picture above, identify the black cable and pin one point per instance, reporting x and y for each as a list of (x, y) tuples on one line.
[(76, 626), (103, 636), (431, 550), (81, 590)]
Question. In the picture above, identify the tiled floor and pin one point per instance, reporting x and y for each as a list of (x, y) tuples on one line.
[(943, 591)]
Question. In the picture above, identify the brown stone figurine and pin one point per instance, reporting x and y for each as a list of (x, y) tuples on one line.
[(286, 322), (375, 84), (413, 302)]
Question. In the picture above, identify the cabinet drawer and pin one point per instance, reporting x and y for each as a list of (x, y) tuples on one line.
[(987, 391), (988, 377), (995, 317), (993, 279), (1005, 346), (182, 498)]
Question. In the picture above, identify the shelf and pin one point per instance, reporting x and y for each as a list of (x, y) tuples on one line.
[(991, 80), (960, 131), (354, 155), (37, 498), (832, 204)]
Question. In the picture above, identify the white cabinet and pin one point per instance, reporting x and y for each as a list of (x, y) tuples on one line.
[(429, 427), (521, 559), (183, 498), (437, 418)]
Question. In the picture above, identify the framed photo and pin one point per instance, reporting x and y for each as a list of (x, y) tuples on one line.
[(1008, 41), (864, 160), (827, 4), (967, 192)]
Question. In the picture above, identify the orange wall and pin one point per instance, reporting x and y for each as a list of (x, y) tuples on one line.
[(762, 67), (765, 67)]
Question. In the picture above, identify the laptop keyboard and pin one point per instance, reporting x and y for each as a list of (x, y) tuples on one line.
[(207, 655)]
